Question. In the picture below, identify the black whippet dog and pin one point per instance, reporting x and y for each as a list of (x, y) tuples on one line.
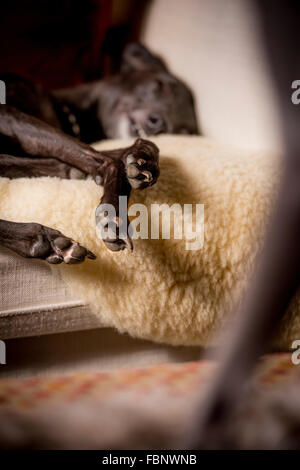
[(47, 134)]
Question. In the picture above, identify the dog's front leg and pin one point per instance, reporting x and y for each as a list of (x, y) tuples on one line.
[(33, 138), (119, 170), (23, 167), (26, 136), (110, 222), (134, 167)]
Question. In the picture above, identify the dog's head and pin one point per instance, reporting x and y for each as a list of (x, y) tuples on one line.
[(146, 99)]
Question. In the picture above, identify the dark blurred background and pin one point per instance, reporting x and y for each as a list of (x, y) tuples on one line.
[(60, 43)]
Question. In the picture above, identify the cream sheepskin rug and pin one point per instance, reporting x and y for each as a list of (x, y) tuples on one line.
[(162, 291)]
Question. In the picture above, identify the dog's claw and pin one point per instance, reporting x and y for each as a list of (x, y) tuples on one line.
[(91, 255), (129, 244), (148, 175)]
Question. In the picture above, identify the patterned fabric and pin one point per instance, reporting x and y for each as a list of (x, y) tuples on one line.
[(172, 380)]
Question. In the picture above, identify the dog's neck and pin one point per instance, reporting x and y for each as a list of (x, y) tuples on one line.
[(77, 111)]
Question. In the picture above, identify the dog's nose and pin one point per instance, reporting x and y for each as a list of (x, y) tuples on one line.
[(155, 124)]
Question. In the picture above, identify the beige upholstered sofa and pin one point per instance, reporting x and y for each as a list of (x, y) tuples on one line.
[(216, 48)]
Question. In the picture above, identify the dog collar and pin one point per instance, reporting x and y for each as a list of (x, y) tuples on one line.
[(72, 120)]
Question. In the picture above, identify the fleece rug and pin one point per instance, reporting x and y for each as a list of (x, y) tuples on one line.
[(164, 291)]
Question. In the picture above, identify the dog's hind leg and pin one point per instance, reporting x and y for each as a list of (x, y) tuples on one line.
[(26, 136), (33, 240)]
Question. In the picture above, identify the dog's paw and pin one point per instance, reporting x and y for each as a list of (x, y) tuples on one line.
[(54, 247), (141, 164), (68, 251), (112, 230)]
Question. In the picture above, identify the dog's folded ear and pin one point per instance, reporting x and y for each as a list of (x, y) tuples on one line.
[(137, 57)]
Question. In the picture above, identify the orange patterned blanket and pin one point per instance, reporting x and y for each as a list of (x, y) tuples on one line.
[(148, 408)]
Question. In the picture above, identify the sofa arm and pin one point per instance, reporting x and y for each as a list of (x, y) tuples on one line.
[(33, 301)]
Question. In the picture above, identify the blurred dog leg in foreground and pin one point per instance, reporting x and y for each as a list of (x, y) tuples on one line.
[(277, 275)]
